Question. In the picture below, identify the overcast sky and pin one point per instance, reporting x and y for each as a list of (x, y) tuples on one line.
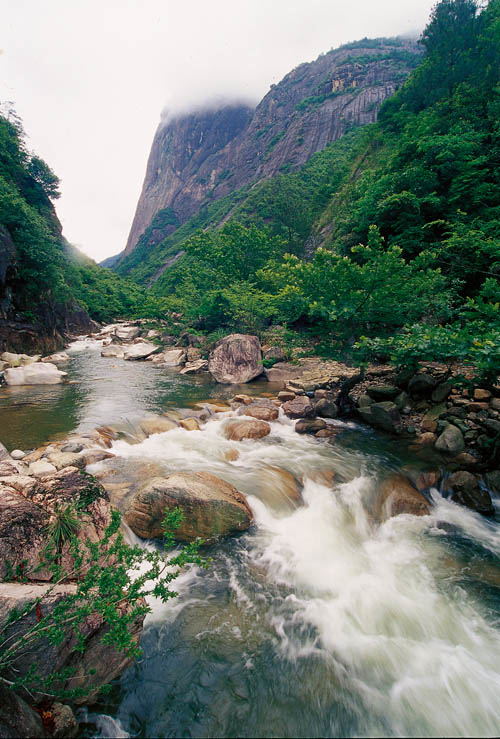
[(91, 77)]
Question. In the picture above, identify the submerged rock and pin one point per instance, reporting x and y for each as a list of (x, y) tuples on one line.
[(236, 359), (212, 508)]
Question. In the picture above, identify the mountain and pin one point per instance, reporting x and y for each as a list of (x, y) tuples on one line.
[(385, 242), (201, 157)]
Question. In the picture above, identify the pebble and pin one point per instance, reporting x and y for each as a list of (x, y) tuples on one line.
[(17, 454)]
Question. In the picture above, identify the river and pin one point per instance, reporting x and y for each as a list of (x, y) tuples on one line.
[(316, 622)]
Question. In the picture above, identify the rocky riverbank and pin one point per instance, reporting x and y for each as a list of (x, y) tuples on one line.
[(451, 426)]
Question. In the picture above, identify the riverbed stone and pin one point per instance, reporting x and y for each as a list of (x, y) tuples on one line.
[(127, 333), (236, 359), (4, 454), (441, 392), (395, 496), (98, 664), (22, 539), (326, 407), (157, 425), (190, 424), (113, 350), (382, 392), (212, 508), (467, 491), (236, 430), (195, 367), (17, 454), (278, 488), (384, 415), (56, 358), (300, 407), (310, 425), (72, 447), (140, 350), (450, 441), (174, 357), (41, 468), (260, 412), (17, 719), (421, 384)]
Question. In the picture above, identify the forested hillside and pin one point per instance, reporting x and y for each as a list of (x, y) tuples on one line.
[(385, 243), (46, 286)]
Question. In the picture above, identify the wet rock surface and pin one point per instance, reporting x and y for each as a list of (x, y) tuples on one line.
[(212, 508)]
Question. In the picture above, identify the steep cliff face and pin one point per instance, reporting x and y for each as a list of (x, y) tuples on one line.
[(177, 175), (203, 156)]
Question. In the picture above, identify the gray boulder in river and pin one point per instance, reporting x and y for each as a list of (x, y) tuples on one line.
[(236, 359)]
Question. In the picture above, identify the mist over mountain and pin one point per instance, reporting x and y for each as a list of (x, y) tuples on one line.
[(201, 155)]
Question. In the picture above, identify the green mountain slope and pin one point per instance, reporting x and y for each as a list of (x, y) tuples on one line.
[(419, 189), (46, 286)]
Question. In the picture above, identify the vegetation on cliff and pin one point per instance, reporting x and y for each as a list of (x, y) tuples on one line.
[(41, 276), (404, 212)]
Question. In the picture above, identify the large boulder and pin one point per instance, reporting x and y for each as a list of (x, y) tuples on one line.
[(34, 374), (299, 407), (396, 495), (467, 491), (22, 538), (90, 669), (212, 508), (4, 454), (25, 519), (236, 359), (127, 333), (17, 718), (326, 407), (310, 425), (239, 430), (141, 350), (18, 360)]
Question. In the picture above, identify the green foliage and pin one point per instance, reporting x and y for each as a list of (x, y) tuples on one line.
[(111, 579)]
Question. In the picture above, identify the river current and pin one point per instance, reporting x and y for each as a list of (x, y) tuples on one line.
[(316, 622)]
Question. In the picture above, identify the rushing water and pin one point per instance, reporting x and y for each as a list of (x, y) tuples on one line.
[(316, 622)]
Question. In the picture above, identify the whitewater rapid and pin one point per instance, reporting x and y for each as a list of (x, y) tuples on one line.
[(328, 623)]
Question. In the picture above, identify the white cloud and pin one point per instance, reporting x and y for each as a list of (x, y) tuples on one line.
[(90, 78)]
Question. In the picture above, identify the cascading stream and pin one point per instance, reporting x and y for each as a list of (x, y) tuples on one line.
[(320, 622), (317, 621)]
